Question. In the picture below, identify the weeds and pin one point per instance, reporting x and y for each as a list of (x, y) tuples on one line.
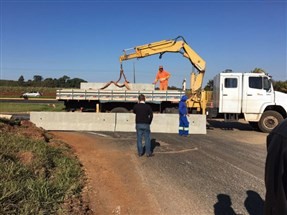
[(36, 178), (26, 107)]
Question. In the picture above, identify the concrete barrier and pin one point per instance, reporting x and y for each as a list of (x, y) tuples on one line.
[(197, 124), (71, 121), (6, 116), (122, 122), (125, 122), (98, 86)]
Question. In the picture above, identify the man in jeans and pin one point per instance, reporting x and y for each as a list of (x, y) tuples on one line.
[(144, 117)]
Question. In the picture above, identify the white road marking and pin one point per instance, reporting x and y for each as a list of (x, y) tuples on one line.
[(99, 134)]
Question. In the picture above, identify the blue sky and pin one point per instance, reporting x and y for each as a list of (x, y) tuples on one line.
[(84, 39)]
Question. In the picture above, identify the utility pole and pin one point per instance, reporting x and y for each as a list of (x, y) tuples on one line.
[(134, 72)]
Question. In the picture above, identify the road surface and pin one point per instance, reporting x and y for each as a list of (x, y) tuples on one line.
[(221, 172)]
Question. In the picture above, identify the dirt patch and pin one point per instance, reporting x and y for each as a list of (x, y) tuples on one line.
[(24, 128), (26, 157), (114, 184)]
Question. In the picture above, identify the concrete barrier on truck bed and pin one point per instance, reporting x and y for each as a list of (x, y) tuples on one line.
[(132, 86), (115, 122)]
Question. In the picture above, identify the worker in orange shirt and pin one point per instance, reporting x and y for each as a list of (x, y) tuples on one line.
[(162, 76)]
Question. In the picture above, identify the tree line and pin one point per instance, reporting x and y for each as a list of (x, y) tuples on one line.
[(67, 82), (39, 81)]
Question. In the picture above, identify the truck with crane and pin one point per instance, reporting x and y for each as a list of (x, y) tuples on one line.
[(116, 97), (250, 95)]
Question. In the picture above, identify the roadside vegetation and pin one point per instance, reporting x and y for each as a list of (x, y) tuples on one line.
[(17, 91), (7, 107), (47, 86), (39, 175), (39, 81)]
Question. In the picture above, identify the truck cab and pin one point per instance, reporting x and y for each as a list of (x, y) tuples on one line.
[(251, 95)]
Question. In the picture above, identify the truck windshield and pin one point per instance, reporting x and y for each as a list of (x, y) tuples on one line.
[(260, 83), (266, 84)]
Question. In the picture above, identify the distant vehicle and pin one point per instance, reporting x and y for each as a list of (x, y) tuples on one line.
[(31, 94)]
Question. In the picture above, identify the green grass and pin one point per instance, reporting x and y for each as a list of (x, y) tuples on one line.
[(17, 91), (23, 107), (41, 185)]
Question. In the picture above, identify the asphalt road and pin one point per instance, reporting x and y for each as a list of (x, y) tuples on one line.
[(221, 172)]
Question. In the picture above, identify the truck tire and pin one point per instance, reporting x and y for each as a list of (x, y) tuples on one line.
[(269, 120), (119, 110)]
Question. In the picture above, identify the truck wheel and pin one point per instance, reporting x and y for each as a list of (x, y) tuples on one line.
[(119, 110), (269, 120)]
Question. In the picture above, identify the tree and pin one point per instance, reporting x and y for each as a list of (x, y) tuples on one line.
[(258, 70), (21, 80), (62, 81), (37, 78), (209, 86), (280, 86), (74, 83), (49, 82)]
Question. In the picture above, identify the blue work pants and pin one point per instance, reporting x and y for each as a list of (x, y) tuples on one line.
[(143, 130), (183, 125)]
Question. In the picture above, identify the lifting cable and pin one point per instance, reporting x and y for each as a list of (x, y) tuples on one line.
[(125, 84)]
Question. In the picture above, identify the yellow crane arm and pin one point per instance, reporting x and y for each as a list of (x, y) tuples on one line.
[(177, 45), (163, 46)]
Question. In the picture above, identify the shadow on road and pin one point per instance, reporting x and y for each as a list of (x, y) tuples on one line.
[(154, 144), (211, 124), (223, 205), (253, 203)]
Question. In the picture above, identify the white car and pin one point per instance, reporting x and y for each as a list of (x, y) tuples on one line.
[(31, 94)]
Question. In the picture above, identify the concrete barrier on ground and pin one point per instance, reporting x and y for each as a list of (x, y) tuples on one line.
[(125, 122), (72, 121), (197, 124), (6, 116), (121, 122)]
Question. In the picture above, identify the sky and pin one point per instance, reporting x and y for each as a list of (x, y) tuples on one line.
[(85, 38)]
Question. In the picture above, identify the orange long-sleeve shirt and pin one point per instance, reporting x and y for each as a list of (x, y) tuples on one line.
[(162, 77)]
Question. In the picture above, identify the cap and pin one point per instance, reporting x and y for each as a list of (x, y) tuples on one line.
[(160, 67)]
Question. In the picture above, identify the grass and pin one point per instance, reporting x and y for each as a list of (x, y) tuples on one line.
[(17, 91), (23, 107), (36, 178)]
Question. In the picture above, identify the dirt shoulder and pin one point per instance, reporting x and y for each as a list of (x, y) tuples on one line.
[(115, 183)]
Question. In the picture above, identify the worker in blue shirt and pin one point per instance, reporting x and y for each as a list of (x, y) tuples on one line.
[(183, 113)]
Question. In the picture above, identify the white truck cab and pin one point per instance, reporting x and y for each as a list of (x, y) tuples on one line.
[(252, 95)]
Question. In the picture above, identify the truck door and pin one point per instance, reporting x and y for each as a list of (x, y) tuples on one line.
[(230, 95), (257, 93)]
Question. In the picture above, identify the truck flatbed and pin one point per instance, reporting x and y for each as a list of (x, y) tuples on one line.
[(152, 96)]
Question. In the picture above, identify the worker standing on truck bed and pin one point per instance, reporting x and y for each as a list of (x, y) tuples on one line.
[(162, 76)]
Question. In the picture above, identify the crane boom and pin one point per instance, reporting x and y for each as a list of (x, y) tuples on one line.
[(161, 47), (177, 45)]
